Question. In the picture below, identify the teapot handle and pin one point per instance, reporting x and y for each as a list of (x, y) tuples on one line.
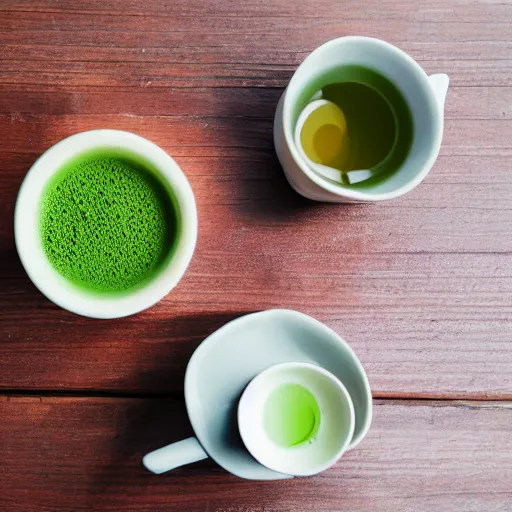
[(439, 84), (174, 455)]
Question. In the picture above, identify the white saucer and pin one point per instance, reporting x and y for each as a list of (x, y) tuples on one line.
[(231, 357)]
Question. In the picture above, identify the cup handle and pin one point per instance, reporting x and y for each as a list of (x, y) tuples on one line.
[(439, 84), (174, 455)]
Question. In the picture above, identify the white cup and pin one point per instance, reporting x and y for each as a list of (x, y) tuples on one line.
[(28, 238), (330, 437), (247, 356), (425, 97), (327, 435)]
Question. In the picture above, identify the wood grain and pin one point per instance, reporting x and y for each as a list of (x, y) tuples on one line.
[(441, 324), (421, 287), (84, 454), (487, 103), (431, 270), (186, 44)]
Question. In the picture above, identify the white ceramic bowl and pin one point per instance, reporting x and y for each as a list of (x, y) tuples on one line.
[(336, 424), (28, 239)]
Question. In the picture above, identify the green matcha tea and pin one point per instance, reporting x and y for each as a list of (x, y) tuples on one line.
[(378, 122), (291, 415), (107, 222)]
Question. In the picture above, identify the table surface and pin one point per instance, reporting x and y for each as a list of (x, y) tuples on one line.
[(421, 287)]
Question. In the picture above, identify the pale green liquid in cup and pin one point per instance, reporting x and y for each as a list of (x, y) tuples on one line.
[(291, 415)]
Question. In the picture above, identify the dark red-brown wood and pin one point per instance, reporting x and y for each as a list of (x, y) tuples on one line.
[(421, 287), (84, 454)]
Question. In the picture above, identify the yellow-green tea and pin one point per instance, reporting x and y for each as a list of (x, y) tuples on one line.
[(379, 127), (291, 415)]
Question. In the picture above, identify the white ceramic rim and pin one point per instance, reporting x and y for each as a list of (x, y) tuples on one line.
[(347, 192), (27, 237), (209, 343), (253, 448)]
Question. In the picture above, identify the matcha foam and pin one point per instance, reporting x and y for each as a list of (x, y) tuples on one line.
[(106, 225)]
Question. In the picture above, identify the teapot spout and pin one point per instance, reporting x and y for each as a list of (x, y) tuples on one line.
[(439, 84)]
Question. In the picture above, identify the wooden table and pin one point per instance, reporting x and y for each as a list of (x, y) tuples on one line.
[(421, 287)]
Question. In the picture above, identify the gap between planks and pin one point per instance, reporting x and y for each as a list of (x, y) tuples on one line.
[(426, 398)]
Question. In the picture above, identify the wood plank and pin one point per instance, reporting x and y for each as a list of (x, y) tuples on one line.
[(224, 102), (486, 102), (440, 323), (35, 133), (78, 75), (177, 45), (169, 33), (170, 52), (424, 10), (84, 454), (451, 28)]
